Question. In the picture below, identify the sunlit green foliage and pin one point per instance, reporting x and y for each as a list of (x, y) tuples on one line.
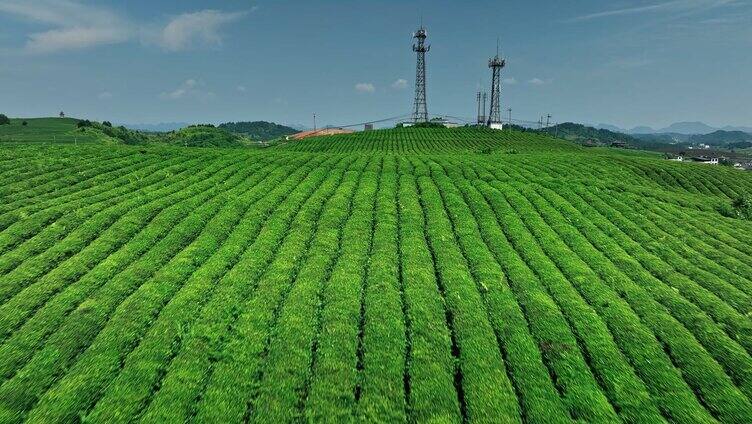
[(407, 275)]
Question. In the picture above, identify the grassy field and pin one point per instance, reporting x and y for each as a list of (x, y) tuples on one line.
[(45, 130), (411, 275)]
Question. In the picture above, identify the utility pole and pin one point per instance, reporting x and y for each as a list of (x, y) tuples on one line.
[(483, 114), (510, 118), (479, 119), (314, 122), (548, 120)]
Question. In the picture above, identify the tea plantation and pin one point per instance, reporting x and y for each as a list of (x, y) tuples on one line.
[(406, 275)]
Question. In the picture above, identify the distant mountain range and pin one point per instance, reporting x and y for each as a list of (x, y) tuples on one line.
[(685, 128), (607, 136), (719, 138)]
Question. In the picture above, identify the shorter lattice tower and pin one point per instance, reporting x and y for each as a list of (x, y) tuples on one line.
[(494, 115), (481, 98)]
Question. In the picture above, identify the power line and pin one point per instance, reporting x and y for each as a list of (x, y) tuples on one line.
[(392, 118)]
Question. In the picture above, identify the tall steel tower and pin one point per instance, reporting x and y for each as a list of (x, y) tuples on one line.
[(420, 113), (494, 116)]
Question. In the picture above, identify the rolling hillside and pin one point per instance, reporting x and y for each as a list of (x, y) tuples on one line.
[(411, 275), (47, 130), (73, 131), (202, 136), (258, 130), (584, 134), (432, 141)]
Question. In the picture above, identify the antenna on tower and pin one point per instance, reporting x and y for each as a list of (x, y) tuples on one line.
[(420, 111), (495, 64)]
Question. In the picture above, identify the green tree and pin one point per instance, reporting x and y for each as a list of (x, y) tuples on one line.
[(743, 207), (4, 120)]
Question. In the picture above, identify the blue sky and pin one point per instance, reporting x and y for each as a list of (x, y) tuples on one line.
[(622, 62)]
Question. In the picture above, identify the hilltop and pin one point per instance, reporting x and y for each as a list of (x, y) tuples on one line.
[(258, 130), (67, 131), (204, 136), (432, 141), (71, 130), (722, 138), (583, 134), (58, 130)]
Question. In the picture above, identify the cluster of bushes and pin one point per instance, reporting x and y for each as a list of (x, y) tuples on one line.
[(258, 130), (203, 136), (124, 134), (740, 208), (4, 120), (740, 145), (120, 133)]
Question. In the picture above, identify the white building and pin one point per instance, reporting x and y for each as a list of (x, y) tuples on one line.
[(705, 160)]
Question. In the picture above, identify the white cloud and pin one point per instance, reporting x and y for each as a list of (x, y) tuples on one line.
[(74, 38), (104, 95), (538, 81), (200, 28), (400, 84), (74, 26), (365, 87), (670, 6), (242, 88), (509, 81), (63, 13), (190, 88)]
